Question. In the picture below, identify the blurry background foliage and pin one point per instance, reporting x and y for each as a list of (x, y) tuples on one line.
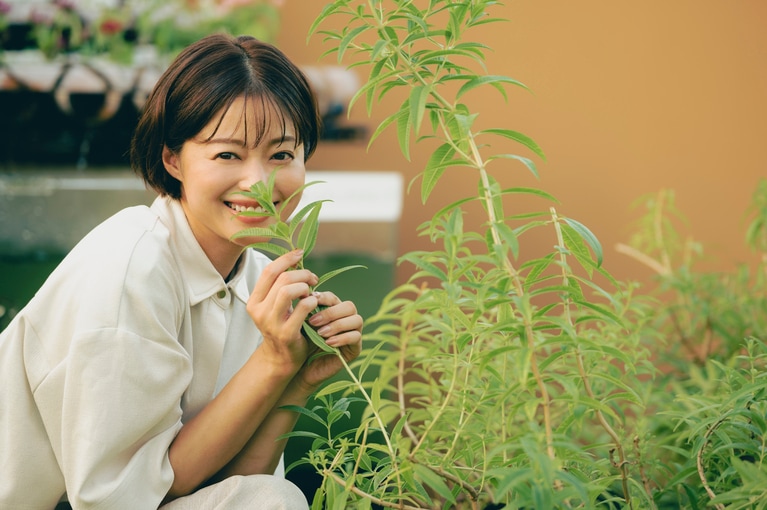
[(117, 27)]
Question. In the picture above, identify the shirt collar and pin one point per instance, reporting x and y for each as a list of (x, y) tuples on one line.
[(201, 277), (239, 283)]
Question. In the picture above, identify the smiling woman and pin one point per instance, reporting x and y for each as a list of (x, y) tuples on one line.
[(154, 365), (216, 167)]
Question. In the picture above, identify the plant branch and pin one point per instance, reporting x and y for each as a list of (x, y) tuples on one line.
[(699, 460), (359, 492), (643, 258), (623, 463)]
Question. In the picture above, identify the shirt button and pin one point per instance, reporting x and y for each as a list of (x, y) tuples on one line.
[(221, 294)]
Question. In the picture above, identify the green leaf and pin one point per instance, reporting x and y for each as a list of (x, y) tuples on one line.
[(575, 246), (529, 191), (425, 266), (509, 238), (300, 215), (268, 232), (603, 312), (434, 169), (273, 248), (330, 274), (334, 387), (525, 161), (403, 131), (517, 137), (304, 411), (368, 358), (483, 80), (348, 38), (316, 339), (381, 127), (307, 236), (436, 482), (329, 9), (587, 236), (418, 97)]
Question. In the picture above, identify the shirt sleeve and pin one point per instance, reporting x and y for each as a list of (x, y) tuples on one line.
[(120, 414), (114, 403)]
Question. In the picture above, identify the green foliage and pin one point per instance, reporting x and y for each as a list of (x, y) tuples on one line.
[(541, 382), (500, 380), (710, 332), (282, 237)]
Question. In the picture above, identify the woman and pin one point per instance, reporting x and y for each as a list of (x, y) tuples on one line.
[(151, 367)]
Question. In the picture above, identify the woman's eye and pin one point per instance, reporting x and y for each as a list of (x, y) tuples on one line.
[(226, 155), (283, 156)]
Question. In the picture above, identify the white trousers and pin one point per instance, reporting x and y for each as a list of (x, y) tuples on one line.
[(260, 492)]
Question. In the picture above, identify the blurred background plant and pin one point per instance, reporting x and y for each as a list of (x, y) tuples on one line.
[(117, 27)]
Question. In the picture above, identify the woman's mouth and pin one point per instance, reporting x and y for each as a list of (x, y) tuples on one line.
[(238, 208)]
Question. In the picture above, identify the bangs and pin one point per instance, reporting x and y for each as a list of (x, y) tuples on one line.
[(260, 115)]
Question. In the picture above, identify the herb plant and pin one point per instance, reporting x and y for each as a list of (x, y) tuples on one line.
[(300, 232), (512, 382), (501, 381)]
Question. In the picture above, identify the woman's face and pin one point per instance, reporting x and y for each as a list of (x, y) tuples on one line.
[(220, 162)]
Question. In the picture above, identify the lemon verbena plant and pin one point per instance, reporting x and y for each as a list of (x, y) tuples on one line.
[(298, 232), (501, 381)]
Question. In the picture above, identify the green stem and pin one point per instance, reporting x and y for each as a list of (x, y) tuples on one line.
[(622, 461)]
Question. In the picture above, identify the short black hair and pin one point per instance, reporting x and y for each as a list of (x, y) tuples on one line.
[(205, 79)]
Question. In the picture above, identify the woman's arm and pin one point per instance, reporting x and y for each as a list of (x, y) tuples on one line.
[(221, 430), (342, 327)]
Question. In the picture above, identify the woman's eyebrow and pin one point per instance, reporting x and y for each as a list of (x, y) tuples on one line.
[(238, 141)]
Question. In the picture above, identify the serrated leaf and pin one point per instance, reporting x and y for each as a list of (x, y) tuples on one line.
[(403, 131), (434, 169), (418, 97), (268, 232), (307, 235), (316, 339), (300, 215), (275, 249)]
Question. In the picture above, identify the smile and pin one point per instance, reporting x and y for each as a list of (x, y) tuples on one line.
[(242, 208)]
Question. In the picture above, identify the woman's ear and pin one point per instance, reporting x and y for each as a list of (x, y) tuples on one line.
[(170, 161)]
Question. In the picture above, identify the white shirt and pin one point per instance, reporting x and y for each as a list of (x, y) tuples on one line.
[(131, 335)]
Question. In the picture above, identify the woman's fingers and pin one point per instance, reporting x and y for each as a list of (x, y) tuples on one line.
[(339, 324), (272, 272)]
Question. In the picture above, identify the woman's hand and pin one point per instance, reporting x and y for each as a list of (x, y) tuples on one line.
[(341, 327), (279, 304)]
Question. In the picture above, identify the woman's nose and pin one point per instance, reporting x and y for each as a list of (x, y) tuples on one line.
[(253, 172)]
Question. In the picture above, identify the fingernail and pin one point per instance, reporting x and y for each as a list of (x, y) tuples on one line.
[(315, 319), (298, 253), (324, 330)]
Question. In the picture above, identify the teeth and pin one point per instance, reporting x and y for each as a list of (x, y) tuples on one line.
[(242, 208)]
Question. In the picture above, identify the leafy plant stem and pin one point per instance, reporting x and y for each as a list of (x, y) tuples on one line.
[(699, 460), (356, 490), (622, 462), (358, 384)]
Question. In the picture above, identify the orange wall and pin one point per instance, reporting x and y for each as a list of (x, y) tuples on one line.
[(628, 98)]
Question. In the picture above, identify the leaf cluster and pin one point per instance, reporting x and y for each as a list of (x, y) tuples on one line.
[(284, 235)]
